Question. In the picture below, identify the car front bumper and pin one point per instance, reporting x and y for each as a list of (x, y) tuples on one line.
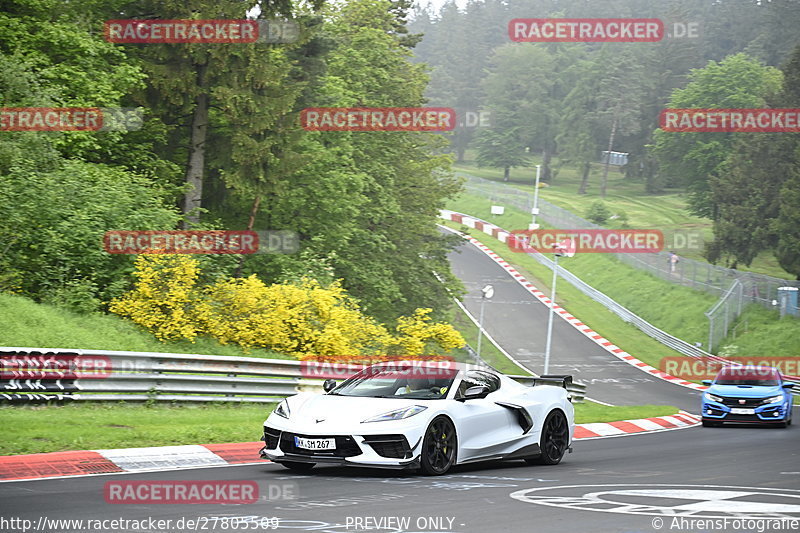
[(769, 413), (377, 451)]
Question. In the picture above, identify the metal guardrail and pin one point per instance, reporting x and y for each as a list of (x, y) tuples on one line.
[(142, 376), (61, 375)]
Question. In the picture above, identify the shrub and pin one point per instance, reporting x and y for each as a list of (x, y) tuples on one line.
[(300, 318), (418, 335), (164, 299), (598, 212)]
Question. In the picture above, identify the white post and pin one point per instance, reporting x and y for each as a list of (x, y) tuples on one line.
[(480, 326), (535, 210), (550, 319), (486, 293)]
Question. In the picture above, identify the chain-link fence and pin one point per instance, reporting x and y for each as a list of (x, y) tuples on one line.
[(722, 315), (752, 288)]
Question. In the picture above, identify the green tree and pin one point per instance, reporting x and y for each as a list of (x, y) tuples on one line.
[(735, 82), (51, 232), (365, 203), (756, 192), (501, 148)]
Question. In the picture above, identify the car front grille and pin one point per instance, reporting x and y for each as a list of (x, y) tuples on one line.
[(391, 446), (735, 402), (345, 445)]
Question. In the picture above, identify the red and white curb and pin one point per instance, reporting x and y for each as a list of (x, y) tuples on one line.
[(503, 236), (682, 420), (93, 462), (168, 458)]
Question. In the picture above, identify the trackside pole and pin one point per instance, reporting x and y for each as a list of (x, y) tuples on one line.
[(550, 318)]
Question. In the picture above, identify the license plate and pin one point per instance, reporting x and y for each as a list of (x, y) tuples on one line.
[(742, 411), (315, 444)]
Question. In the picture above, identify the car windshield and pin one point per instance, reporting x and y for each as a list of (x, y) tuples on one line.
[(758, 377), (397, 382)]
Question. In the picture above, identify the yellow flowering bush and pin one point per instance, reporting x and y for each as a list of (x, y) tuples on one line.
[(164, 299), (418, 335), (299, 319), (303, 319)]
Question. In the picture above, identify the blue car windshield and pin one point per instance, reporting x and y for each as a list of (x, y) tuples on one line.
[(753, 382), (753, 376), (394, 382)]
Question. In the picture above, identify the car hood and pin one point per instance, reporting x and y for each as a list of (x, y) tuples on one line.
[(745, 391), (324, 412)]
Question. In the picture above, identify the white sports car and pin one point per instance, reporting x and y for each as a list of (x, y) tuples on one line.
[(394, 416)]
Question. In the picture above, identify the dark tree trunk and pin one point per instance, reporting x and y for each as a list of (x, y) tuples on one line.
[(506, 173), (250, 223), (197, 150), (604, 181), (587, 166)]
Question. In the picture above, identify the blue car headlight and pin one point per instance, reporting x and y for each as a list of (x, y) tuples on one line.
[(772, 399), (283, 409), (711, 397), (397, 414)]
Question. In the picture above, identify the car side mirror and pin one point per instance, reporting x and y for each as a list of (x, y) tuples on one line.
[(788, 385), (328, 385), (474, 393), (707, 382)]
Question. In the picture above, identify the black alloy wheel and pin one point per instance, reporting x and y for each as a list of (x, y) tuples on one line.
[(554, 439), (439, 447)]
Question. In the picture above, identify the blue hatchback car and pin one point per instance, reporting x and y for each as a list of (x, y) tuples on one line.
[(748, 394)]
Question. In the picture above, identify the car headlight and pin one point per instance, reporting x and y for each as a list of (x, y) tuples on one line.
[(282, 409), (773, 399), (397, 414), (709, 396)]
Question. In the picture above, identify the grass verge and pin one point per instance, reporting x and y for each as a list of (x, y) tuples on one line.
[(589, 412), (665, 211), (27, 323), (115, 425)]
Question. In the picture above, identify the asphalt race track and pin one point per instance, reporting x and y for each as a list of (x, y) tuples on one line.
[(691, 480), (518, 322)]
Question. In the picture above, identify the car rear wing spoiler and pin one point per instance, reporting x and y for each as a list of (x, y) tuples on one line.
[(576, 390), (563, 381)]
